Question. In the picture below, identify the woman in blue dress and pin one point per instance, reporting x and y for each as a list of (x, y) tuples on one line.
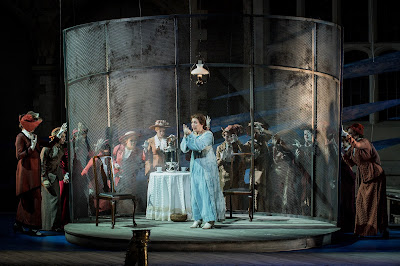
[(208, 203)]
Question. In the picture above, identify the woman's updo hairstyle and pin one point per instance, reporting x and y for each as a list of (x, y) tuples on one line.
[(201, 118)]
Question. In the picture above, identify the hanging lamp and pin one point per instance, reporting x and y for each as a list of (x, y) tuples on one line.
[(199, 72)]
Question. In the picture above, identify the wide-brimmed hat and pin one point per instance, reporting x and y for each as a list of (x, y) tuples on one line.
[(54, 132), (358, 128), (128, 135), (160, 123), (30, 120), (233, 129)]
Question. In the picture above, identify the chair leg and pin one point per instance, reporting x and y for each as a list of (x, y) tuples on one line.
[(97, 212), (250, 208), (230, 206), (112, 214), (133, 214)]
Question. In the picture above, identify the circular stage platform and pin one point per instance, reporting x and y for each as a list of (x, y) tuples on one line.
[(263, 234)]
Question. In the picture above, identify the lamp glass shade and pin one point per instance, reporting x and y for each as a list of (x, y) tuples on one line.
[(199, 70)]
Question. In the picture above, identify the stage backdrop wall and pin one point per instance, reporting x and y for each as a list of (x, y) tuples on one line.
[(285, 72)]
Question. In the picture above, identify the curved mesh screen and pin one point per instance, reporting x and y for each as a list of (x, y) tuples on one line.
[(124, 75)]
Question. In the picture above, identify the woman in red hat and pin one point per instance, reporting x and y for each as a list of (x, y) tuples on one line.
[(371, 209), (28, 182)]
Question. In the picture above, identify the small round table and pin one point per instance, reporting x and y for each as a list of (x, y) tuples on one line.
[(167, 193)]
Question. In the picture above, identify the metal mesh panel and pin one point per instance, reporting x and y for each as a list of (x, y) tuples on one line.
[(283, 102), (328, 38), (225, 39), (87, 106), (147, 74), (85, 51), (326, 167), (290, 43), (134, 44), (138, 99)]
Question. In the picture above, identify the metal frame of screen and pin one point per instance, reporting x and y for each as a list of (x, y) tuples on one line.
[(284, 72)]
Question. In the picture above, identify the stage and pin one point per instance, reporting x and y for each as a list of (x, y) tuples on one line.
[(265, 233)]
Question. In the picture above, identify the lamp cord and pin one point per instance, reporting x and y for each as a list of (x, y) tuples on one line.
[(190, 54), (141, 38)]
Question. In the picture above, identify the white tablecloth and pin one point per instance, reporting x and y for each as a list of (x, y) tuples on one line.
[(168, 193)]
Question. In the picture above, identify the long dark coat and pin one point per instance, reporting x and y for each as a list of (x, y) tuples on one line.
[(51, 203), (28, 183), (371, 208)]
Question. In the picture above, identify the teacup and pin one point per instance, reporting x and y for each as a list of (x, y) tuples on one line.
[(159, 169), (183, 168)]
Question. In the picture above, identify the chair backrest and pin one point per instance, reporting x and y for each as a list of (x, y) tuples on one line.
[(240, 155), (107, 165)]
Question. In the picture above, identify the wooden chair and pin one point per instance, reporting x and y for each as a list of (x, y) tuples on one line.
[(239, 191), (110, 195)]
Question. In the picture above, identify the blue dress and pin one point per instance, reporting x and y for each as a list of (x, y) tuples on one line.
[(208, 203)]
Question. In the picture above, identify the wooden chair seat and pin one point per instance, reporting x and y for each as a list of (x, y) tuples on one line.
[(239, 191)]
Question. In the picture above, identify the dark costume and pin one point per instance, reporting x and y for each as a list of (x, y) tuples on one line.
[(262, 167), (28, 183), (285, 184), (231, 179), (64, 190), (81, 155), (125, 179), (51, 171), (371, 208), (347, 198), (303, 162)]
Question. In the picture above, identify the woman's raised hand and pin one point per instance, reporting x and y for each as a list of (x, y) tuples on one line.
[(186, 130)]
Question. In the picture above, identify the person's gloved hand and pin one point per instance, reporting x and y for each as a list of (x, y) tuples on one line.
[(186, 130), (297, 153), (33, 142), (66, 178), (297, 143), (46, 183), (62, 130), (208, 122), (344, 133), (259, 128)]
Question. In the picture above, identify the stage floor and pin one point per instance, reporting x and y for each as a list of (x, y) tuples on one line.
[(263, 234)]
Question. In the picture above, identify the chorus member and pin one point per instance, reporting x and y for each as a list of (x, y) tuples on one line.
[(28, 175), (371, 208), (127, 162), (231, 168), (303, 158), (103, 168), (262, 162), (208, 204), (51, 174), (80, 155), (153, 148)]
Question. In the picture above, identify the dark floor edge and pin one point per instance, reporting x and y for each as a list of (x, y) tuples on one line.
[(192, 246)]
